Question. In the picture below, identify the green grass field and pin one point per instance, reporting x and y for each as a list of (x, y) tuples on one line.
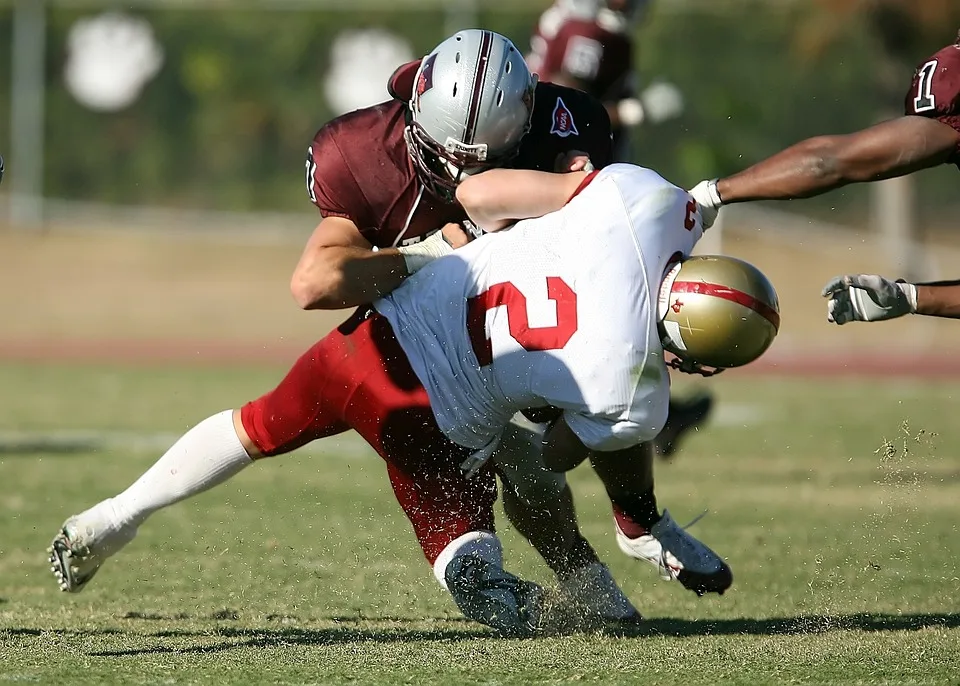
[(836, 505)]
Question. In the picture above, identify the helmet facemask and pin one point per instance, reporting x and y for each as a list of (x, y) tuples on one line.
[(441, 168), (470, 108)]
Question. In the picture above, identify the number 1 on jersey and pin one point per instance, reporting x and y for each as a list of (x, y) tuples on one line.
[(925, 100), (531, 339)]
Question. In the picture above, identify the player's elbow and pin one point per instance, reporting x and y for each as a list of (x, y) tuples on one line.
[(315, 288), (835, 161), (823, 159), (472, 195)]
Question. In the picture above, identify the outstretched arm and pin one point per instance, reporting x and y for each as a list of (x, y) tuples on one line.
[(939, 299), (817, 165)]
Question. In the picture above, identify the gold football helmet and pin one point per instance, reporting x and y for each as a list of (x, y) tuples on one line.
[(717, 312)]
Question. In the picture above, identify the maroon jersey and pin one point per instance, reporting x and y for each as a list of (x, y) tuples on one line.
[(600, 59), (358, 166), (935, 91)]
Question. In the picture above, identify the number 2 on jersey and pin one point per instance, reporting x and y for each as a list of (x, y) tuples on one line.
[(925, 100), (531, 339)]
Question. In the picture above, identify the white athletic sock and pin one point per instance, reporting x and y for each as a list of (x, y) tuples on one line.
[(205, 456), (483, 544)]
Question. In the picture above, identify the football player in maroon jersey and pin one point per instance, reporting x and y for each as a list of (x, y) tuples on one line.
[(384, 178), (928, 135)]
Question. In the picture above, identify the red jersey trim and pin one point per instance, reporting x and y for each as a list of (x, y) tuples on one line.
[(731, 294), (583, 184)]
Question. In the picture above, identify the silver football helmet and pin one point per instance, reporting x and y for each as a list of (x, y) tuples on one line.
[(471, 105)]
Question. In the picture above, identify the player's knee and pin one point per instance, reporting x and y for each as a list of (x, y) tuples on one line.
[(317, 285), (253, 428), (253, 450)]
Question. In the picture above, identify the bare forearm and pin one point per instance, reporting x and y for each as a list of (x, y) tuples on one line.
[(817, 165), (801, 171), (347, 276), (939, 300), (499, 197)]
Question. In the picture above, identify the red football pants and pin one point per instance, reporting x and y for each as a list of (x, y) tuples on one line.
[(358, 377)]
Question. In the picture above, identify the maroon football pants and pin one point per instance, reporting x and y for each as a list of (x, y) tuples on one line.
[(358, 377)]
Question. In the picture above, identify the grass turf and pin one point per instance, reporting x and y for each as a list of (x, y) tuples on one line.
[(835, 504)]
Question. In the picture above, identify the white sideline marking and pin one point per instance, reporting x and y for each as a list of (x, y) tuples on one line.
[(726, 415), (739, 415), (93, 440)]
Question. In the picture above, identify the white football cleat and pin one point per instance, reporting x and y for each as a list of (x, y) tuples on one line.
[(84, 543), (679, 556), (593, 588)]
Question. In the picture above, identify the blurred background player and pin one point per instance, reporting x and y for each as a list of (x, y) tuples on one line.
[(927, 135), (589, 45)]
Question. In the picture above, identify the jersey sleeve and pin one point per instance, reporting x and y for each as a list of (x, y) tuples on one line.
[(331, 186), (935, 90)]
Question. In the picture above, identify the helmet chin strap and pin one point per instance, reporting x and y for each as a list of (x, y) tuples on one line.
[(691, 367)]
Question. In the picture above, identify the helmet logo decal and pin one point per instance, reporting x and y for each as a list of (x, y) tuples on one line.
[(424, 79), (563, 124), (677, 304)]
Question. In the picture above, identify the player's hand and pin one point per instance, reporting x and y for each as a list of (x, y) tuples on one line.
[(572, 161), (708, 198), (868, 298), (455, 235)]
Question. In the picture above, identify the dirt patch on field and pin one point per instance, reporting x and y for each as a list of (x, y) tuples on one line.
[(145, 295)]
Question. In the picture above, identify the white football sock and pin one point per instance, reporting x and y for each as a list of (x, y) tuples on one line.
[(205, 456), (483, 544)]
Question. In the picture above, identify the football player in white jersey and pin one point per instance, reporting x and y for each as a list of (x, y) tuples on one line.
[(569, 313)]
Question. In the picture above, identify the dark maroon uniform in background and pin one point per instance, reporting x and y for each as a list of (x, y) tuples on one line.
[(602, 60), (358, 166), (935, 91)]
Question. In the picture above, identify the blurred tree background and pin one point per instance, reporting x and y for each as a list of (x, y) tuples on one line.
[(226, 122)]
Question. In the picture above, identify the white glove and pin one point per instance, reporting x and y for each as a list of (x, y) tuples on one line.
[(708, 198), (868, 298), (657, 103), (630, 112), (661, 101), (419, 255)]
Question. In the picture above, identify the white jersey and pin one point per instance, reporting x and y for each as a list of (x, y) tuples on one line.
[(559, 311)]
